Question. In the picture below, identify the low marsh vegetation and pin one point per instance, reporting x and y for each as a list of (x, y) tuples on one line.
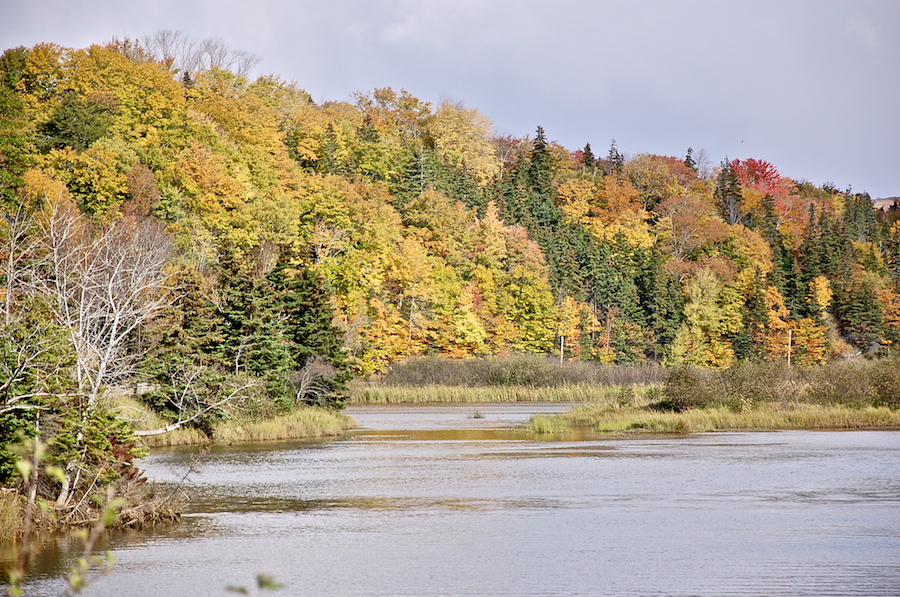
[(516, 378), (758, 396), (10, 516), (303, 422)]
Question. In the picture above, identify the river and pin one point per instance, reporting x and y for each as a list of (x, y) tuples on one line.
[(447, 501)]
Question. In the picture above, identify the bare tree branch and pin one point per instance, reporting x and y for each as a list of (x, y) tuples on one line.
[(104, 287), (188, 403)]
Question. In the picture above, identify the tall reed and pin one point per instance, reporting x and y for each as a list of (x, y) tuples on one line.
[(374, 393), (516, 370), (304, 422), (10, 516)]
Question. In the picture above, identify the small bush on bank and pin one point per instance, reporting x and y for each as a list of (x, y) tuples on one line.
[(690, 387), (847, 383), (855, 384), (886, 384)]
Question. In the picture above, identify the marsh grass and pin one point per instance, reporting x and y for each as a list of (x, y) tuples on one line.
[(376, 393), (10, 516), (519, 370), (544, 424), (769, 416), (305, 422), (310, 422), (857, 394)]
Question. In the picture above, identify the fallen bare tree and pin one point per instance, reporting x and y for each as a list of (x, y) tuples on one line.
[(188, 402)]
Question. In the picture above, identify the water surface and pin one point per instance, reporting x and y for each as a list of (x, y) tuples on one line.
[(425, 500)]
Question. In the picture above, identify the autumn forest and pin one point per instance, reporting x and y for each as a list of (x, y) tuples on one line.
[(170, 222)]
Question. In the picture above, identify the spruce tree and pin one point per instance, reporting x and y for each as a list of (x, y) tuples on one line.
[(306, 314), (689, 159), (728, 194), (615, 161), (588, 161)]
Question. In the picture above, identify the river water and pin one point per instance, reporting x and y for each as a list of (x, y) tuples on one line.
[(447, 501)]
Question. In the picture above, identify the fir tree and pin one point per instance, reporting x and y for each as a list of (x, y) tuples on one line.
[(540, 169), (728, 194), (615, 161), (306, 314), (588, 161), (689, 159)]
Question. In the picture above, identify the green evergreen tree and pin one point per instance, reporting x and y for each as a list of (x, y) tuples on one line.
[(329, 160), (15, 130), (588, 161), (728, 194), (307, 327), (77, 122), (661, 300), (689, 160), (860, 220), (615, 161), (540, 167), (857, 308)]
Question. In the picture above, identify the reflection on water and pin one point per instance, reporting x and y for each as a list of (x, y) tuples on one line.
[(437, 501)]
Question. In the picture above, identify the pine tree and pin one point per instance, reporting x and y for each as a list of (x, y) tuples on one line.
[(305, 309), (859, 222), (689, 159), (615, 161), (588, 161), (539, 195), (728, 194), (540, 169), (15, 137)]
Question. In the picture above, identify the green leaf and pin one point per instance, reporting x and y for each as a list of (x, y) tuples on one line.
[(24, 468), (56, 472), (267, 581)]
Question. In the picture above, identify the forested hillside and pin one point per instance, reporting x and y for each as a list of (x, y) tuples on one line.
[(209, 234)]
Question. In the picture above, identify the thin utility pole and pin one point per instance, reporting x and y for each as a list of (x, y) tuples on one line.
[(790, 332)]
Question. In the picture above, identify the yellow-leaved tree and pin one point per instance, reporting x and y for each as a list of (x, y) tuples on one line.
[(462, 138), (701, 340)]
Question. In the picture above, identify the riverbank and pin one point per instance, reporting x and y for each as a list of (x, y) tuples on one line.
[(143, 506), (308, 422), (853, 394)]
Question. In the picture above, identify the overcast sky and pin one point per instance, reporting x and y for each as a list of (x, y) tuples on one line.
[(812, 86)]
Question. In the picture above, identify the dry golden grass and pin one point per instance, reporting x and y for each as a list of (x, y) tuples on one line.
[(767, 416), (10, 516), (305, 422), (310, 422), (373, 393)]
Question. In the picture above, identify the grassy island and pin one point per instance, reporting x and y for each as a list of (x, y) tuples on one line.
[(858, 394)]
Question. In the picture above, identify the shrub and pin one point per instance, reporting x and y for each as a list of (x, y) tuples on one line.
[(689, 387), (847, 383), (886, 383)]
